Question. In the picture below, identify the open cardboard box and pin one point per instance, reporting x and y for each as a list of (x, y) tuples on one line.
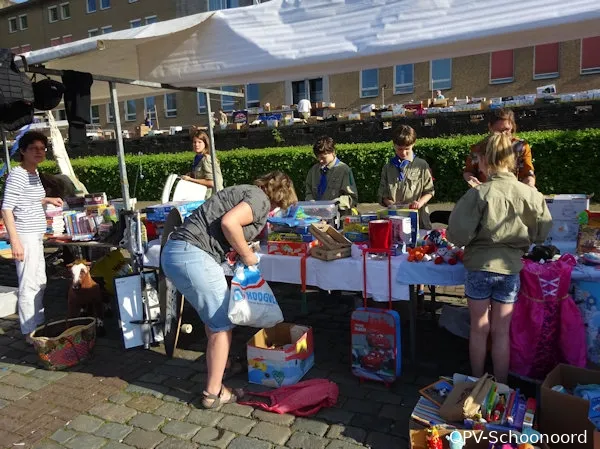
[(562, 413), (333, 245), (281, 355)]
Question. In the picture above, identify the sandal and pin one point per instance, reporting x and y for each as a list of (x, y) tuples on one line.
[(213, 401)]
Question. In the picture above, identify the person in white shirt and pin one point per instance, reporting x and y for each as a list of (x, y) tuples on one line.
[(25, 221), (304, 108), (439, 95)]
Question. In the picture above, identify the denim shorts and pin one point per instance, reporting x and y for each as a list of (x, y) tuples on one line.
[(201, 280), (484, 285)]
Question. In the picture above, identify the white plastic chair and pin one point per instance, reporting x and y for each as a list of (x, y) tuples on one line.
[(184, 190)]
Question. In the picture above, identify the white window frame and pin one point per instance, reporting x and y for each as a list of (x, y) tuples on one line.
[(431, 76), (16, 27), (225, 103), (360, 85), (108, 118), (133, 1), (87, 7), (93, 30), (20, 24), (155, 17), (170, 113), (62, 17), (66, 35), (493, 82), (254, 101), (131, 22), (56, 38), (397, 87), (15, 50), (582, 71), (153, 112), (23, 50), (104, 7), (130, 116), (104, 27), (204, 109), (95, 120), (50, 8), (546, 76)]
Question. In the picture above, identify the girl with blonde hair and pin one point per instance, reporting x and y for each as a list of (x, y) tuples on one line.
[(496, 222)]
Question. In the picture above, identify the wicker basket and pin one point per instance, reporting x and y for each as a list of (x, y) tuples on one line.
[(65, 343)]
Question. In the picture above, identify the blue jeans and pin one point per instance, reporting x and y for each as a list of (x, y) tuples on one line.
[(502, 288), (200, 279)]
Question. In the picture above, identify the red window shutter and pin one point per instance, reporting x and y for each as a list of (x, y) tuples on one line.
[(502, 65), (590, 54), (546, 59)]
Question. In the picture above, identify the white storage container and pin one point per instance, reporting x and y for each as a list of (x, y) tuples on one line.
[(8, 301)]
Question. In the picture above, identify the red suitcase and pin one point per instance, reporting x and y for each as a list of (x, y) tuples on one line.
[(376, 336)]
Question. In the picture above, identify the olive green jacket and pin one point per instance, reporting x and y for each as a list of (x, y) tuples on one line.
[(497, 222), (340, 185), (204, 171), (417, 182)]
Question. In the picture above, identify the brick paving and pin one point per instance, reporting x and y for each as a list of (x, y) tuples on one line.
[(141, 399)]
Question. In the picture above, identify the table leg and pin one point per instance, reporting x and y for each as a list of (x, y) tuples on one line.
[(304, 304), (412, 322)]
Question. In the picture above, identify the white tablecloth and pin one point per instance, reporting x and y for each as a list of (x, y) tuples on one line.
[(343, 274)]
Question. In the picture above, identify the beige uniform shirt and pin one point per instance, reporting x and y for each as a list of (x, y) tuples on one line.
[(417, 182), (204, 171), (340, 185), (497, 222)]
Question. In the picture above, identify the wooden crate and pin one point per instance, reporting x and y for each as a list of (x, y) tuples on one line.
[(332, 244)]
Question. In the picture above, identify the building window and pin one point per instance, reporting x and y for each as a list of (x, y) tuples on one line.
[(404, 79), (214, 5), (12, 25), (252, 96), (441, 74), (106, 29), (590, 55), (93, 32), (68, 38), (55, 41), (65, 11), (170, 105), (95, 114), (151, 19), (104, 4), (91, 6), (132, 1), (502, 67), (130, 111), (545, 61), (369, 83), (60, 114), (25, 48), (299, 91), (150, 107), (228, 103), (23, 24), (110, 113), (201, 100), (315, 89), (53, 14), (135, 23)]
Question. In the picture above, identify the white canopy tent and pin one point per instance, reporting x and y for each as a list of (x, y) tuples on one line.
[(295, 39)]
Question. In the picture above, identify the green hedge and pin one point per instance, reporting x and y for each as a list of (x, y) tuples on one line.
[(565, 162)]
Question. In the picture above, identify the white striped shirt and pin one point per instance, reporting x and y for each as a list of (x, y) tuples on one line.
[(23, 194)]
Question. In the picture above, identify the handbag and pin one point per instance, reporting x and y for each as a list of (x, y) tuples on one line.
[(466, 398)]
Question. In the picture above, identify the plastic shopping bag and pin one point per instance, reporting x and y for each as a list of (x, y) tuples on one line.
[(251, 300)]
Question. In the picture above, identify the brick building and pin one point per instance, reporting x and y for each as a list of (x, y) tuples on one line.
[(573, 66)]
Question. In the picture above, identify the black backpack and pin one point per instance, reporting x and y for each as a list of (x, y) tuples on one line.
[(16, 93)]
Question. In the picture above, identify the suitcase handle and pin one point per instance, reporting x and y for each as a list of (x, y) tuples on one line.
[(388, 252)]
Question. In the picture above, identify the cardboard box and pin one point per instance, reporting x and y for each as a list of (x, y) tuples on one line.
[(332, 244), (286, 248), (281, 355), (236, 126), (562, 413)]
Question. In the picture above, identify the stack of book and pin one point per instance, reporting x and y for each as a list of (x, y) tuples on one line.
[(55, 223)]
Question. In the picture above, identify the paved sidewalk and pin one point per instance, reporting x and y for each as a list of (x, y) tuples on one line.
[(141, 399)]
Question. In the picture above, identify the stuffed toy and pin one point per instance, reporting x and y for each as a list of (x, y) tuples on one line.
[(450, 255)]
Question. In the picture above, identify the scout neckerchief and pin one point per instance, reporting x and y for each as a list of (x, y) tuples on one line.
[(401, 166), (323, 181), (197, 160)]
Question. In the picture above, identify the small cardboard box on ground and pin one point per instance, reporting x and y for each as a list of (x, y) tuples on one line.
[(281, 355), (563, 413)]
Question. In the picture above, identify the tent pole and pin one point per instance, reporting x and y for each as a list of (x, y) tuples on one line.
[(6, 150), (211, 136), (114, 99)]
